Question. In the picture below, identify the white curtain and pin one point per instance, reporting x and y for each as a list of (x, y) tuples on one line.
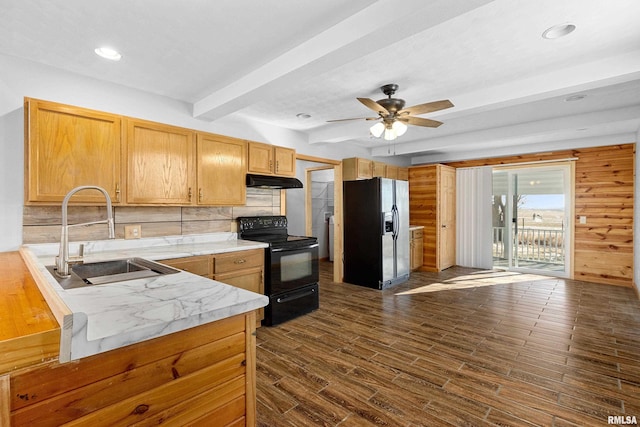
[(474, 242)]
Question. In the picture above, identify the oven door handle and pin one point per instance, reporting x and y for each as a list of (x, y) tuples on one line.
[(295, 296), (314, 245)]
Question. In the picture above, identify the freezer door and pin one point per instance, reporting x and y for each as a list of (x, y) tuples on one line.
[(388, 253), (403, 266)]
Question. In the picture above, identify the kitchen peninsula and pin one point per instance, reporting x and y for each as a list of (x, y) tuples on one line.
[(168, 348)]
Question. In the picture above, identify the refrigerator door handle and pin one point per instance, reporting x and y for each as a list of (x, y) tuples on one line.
[(396, 222)]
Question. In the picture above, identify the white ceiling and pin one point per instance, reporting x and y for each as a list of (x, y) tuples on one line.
[(268, 60)]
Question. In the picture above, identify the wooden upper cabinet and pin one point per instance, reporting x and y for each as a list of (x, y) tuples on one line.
[(379, 169), (221, 164), (66, 147), (260, 158), (285, 161), (391, 172), (266, 159), (356, 168), (403, 174), (160, 164)]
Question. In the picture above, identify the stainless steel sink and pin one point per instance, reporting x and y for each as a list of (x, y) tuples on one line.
[(119, 270)]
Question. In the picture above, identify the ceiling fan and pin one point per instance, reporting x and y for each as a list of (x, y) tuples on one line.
[(395, 117)]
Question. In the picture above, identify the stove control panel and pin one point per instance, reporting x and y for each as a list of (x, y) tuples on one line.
[(278, 222)]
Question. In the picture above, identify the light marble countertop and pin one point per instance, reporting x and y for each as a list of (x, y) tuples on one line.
[(104, 317)]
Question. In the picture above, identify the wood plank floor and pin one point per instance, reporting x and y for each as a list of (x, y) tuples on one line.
[(460, 347)]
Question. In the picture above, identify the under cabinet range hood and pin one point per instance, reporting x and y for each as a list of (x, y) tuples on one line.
[(268, 181)]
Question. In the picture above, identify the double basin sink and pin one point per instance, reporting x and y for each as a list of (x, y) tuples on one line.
[(119, 270)]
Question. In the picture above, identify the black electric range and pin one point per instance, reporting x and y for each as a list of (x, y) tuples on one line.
[(291, 267)]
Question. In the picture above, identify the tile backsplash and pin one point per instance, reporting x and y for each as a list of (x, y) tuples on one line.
[(41, 224)]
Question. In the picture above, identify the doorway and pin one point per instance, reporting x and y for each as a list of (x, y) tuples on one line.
[(299, 207), (532, 218)]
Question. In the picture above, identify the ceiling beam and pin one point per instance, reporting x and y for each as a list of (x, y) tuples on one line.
[(380, 25), (615, 121), (569, 80)]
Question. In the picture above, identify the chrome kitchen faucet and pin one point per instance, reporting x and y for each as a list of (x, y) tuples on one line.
[(63, 260)]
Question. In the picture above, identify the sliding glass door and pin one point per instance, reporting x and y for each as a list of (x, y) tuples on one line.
[(531, 218)]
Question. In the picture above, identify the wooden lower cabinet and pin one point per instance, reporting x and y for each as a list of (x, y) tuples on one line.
[(201, 376), (416, 248), (198, 265), (242, 269)]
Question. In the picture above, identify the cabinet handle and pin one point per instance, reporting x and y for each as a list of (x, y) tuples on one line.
[(200, 194), (190, 194), (117, 192), (270, 164), (277, 165), (240, 261)]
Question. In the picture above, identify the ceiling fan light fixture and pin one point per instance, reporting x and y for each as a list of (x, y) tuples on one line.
[(399, 127), (390, 134), (377, 129)]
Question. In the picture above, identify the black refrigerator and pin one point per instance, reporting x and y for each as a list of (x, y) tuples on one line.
[(376, 232)]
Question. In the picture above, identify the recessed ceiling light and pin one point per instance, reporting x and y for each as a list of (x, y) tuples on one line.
[(108, 53), (573, 98), (303, 116), (558, 31)]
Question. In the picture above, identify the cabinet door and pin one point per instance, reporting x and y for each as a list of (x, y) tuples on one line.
[(391, 172), (68, 147), (159, 164), (285, 161), (403, 174), (260, 158), (249, 279), (379, 169), (416, 248), (221, 164), (364, 168), (355, 168), (243, 269)]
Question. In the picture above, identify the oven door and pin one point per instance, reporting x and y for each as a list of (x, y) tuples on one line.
[(291, 268)]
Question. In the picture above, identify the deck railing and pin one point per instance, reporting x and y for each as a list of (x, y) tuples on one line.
[(532, 244)]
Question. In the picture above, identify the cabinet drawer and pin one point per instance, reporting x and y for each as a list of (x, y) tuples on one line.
[(250, 280), (234, 261), (417, 234), (200, 265)]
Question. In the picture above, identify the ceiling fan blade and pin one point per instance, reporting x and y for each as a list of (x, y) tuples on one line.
[(355, 118), (419, 121), (427, 107), (370, 103)]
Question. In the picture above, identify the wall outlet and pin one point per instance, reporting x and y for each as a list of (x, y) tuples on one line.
[(132, 231), (583, 219)]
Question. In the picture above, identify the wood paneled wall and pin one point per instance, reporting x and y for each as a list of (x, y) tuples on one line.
[(604, 186), (423, 210), (41, 224)]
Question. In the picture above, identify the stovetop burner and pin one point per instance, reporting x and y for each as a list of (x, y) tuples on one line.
[(272, 230)]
